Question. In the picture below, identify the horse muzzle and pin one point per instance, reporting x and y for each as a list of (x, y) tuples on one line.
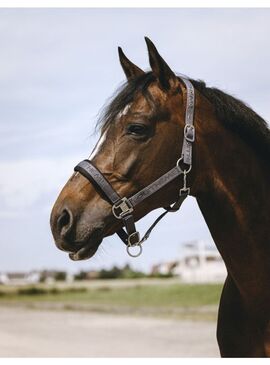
[(76, 237)]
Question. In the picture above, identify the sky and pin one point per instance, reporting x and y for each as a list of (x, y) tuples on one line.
[(57, 69)]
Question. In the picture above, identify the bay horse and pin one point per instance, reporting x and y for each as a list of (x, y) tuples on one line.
[(141, 139)]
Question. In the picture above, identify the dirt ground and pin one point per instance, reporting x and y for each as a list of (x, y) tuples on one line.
[(44, 333)]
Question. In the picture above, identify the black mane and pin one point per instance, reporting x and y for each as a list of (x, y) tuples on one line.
[(233, 113), (239, 118)]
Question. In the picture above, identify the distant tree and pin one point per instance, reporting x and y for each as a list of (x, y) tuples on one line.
[(129, 273), (120, 273), (82, 275), (42, 276), (60, 276), (113, 273)]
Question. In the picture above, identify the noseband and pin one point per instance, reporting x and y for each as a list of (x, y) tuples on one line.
[(123, 208)]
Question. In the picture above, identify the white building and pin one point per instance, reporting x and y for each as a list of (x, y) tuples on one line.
[(200, 262), (34, 277), (20, 278)]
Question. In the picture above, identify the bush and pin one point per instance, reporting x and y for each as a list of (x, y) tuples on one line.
[(75, 290), (33, 290), (53, 291), (160, 275)]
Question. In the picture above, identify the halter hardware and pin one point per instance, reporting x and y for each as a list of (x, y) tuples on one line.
[(189, 132), (122, 208), (184, 190), (180, 168), (136, 254), (135, 237)]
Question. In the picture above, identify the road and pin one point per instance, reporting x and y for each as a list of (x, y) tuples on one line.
[(49, 333)]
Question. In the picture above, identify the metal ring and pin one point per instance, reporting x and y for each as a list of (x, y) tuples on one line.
[(178, 165), (137, 254)]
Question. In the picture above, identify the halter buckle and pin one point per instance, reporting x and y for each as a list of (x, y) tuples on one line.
[(184, 191), (134, 239), (189, 132), (125, 207)]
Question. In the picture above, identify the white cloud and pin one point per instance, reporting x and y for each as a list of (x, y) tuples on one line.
[(23, 183)]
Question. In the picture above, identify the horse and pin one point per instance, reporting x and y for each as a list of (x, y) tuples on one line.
[(141, 135)]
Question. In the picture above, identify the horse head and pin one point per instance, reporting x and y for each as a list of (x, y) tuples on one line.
[(141, 136)]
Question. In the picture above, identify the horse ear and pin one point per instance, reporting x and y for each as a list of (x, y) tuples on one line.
[(159, 67), (131, 71)]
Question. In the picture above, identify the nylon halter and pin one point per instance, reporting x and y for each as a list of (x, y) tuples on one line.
[(123, 207)]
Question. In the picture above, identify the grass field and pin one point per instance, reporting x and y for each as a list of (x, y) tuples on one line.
[(178, 300)]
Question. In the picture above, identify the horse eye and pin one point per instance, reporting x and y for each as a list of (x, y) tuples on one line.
[(137, 129)]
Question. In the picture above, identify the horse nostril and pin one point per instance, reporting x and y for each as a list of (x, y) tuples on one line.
[(64, 222)]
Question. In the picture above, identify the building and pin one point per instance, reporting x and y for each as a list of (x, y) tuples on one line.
[(20, 278), (164, 268), (200, 262), (34, 277)]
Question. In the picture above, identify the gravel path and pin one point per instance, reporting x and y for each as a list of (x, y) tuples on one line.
[(42, 333)]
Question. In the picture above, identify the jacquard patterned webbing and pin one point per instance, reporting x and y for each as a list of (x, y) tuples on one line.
[(189, 131)]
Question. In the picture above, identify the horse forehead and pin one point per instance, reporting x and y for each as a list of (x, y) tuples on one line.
[(124, 111), (143, 102), (146, 102), (140, 104), (157, 93)]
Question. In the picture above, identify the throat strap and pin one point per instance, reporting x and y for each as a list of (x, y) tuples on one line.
[(174, 208)]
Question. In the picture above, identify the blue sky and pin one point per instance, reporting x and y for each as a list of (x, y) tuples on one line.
[(59, 66)]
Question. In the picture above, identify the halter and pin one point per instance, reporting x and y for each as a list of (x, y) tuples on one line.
[(122, 208)]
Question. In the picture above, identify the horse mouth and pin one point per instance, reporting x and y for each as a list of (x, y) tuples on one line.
[(88, 247), (87, 250)]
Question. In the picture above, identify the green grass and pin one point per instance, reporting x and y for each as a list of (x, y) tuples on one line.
[(173, 295)]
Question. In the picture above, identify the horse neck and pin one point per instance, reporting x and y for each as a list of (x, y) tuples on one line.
[(233, 195)]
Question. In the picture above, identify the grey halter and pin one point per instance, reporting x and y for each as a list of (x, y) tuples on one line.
[(122, 208)]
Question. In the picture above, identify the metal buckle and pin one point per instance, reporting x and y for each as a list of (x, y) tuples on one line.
[(184, 191), (189, 132), (124, 205), (136, 237), (136, 243)]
